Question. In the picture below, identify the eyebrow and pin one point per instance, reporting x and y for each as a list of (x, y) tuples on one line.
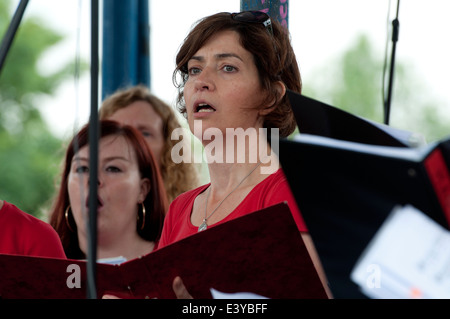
[(144, 127), (108, 159), (79, 158), (218, 56)]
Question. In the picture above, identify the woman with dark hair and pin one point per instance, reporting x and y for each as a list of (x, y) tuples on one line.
[(232, 72), (131, 198)]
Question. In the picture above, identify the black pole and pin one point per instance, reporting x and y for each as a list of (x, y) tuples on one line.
[(395, 31), (93, 156), (10, 33)]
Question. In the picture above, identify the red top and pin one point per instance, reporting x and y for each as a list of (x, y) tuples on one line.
[(24, 234), (272, 190)]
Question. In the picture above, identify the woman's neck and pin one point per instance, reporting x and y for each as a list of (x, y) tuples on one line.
[(225, 176), (129, 248)]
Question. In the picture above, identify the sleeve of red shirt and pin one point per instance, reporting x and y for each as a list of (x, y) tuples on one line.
[(281, 193), (167, 226), (173, 215), (24, 234), (48, 243)]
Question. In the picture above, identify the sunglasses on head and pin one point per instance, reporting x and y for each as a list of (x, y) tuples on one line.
[(257, 17), (254, 17)]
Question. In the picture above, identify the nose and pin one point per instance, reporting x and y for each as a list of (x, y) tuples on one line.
[(99, 182), (204, 80)]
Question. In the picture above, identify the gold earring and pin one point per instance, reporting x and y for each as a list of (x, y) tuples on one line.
[(66, 215), (143, 216)]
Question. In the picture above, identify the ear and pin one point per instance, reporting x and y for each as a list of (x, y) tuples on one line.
[(281, 91), (145, 189)]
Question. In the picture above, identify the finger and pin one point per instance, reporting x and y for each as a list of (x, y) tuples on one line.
[(180, 289), (110, 297)]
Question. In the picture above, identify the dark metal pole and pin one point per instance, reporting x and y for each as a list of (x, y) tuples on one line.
[(395, 31), (10, 33), (93, 155)]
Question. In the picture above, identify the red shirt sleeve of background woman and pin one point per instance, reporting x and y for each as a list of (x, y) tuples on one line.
[(24, 234)]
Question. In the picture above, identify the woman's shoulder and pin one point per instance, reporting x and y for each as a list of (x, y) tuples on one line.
[(185, 200), (16, 216), (272, 181), (31, 235), (12, 212), (188, 195), (273, 189)]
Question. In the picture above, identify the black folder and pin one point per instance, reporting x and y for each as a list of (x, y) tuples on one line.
[(262, 253), (345, 193), (318, 118), (345, 190)]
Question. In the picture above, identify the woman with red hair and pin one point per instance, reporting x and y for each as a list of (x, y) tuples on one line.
[(131, 198)]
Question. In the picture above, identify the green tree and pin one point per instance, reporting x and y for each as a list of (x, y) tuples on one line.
[(353, 82), (29, 153)]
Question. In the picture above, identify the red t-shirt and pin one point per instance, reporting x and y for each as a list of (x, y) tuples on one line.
[(272, 190), (24, 234)]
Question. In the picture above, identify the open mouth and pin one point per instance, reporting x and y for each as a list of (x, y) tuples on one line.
[(99, 202), (204, 108)]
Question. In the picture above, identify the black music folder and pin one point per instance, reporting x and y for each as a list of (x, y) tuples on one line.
[(346, 184), (346, 190), (318, 118), (262, 253)]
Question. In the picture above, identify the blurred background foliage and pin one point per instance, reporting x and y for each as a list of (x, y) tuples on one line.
[(30, 156), (353, 81)]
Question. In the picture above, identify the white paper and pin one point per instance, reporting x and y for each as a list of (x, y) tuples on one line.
[(409, 257), (239, 295), (113, 260), (414, 154)]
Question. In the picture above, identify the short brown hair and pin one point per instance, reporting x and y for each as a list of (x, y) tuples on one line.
[(273, 55)]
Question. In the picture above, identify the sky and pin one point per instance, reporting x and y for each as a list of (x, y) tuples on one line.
[(320, 30)]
